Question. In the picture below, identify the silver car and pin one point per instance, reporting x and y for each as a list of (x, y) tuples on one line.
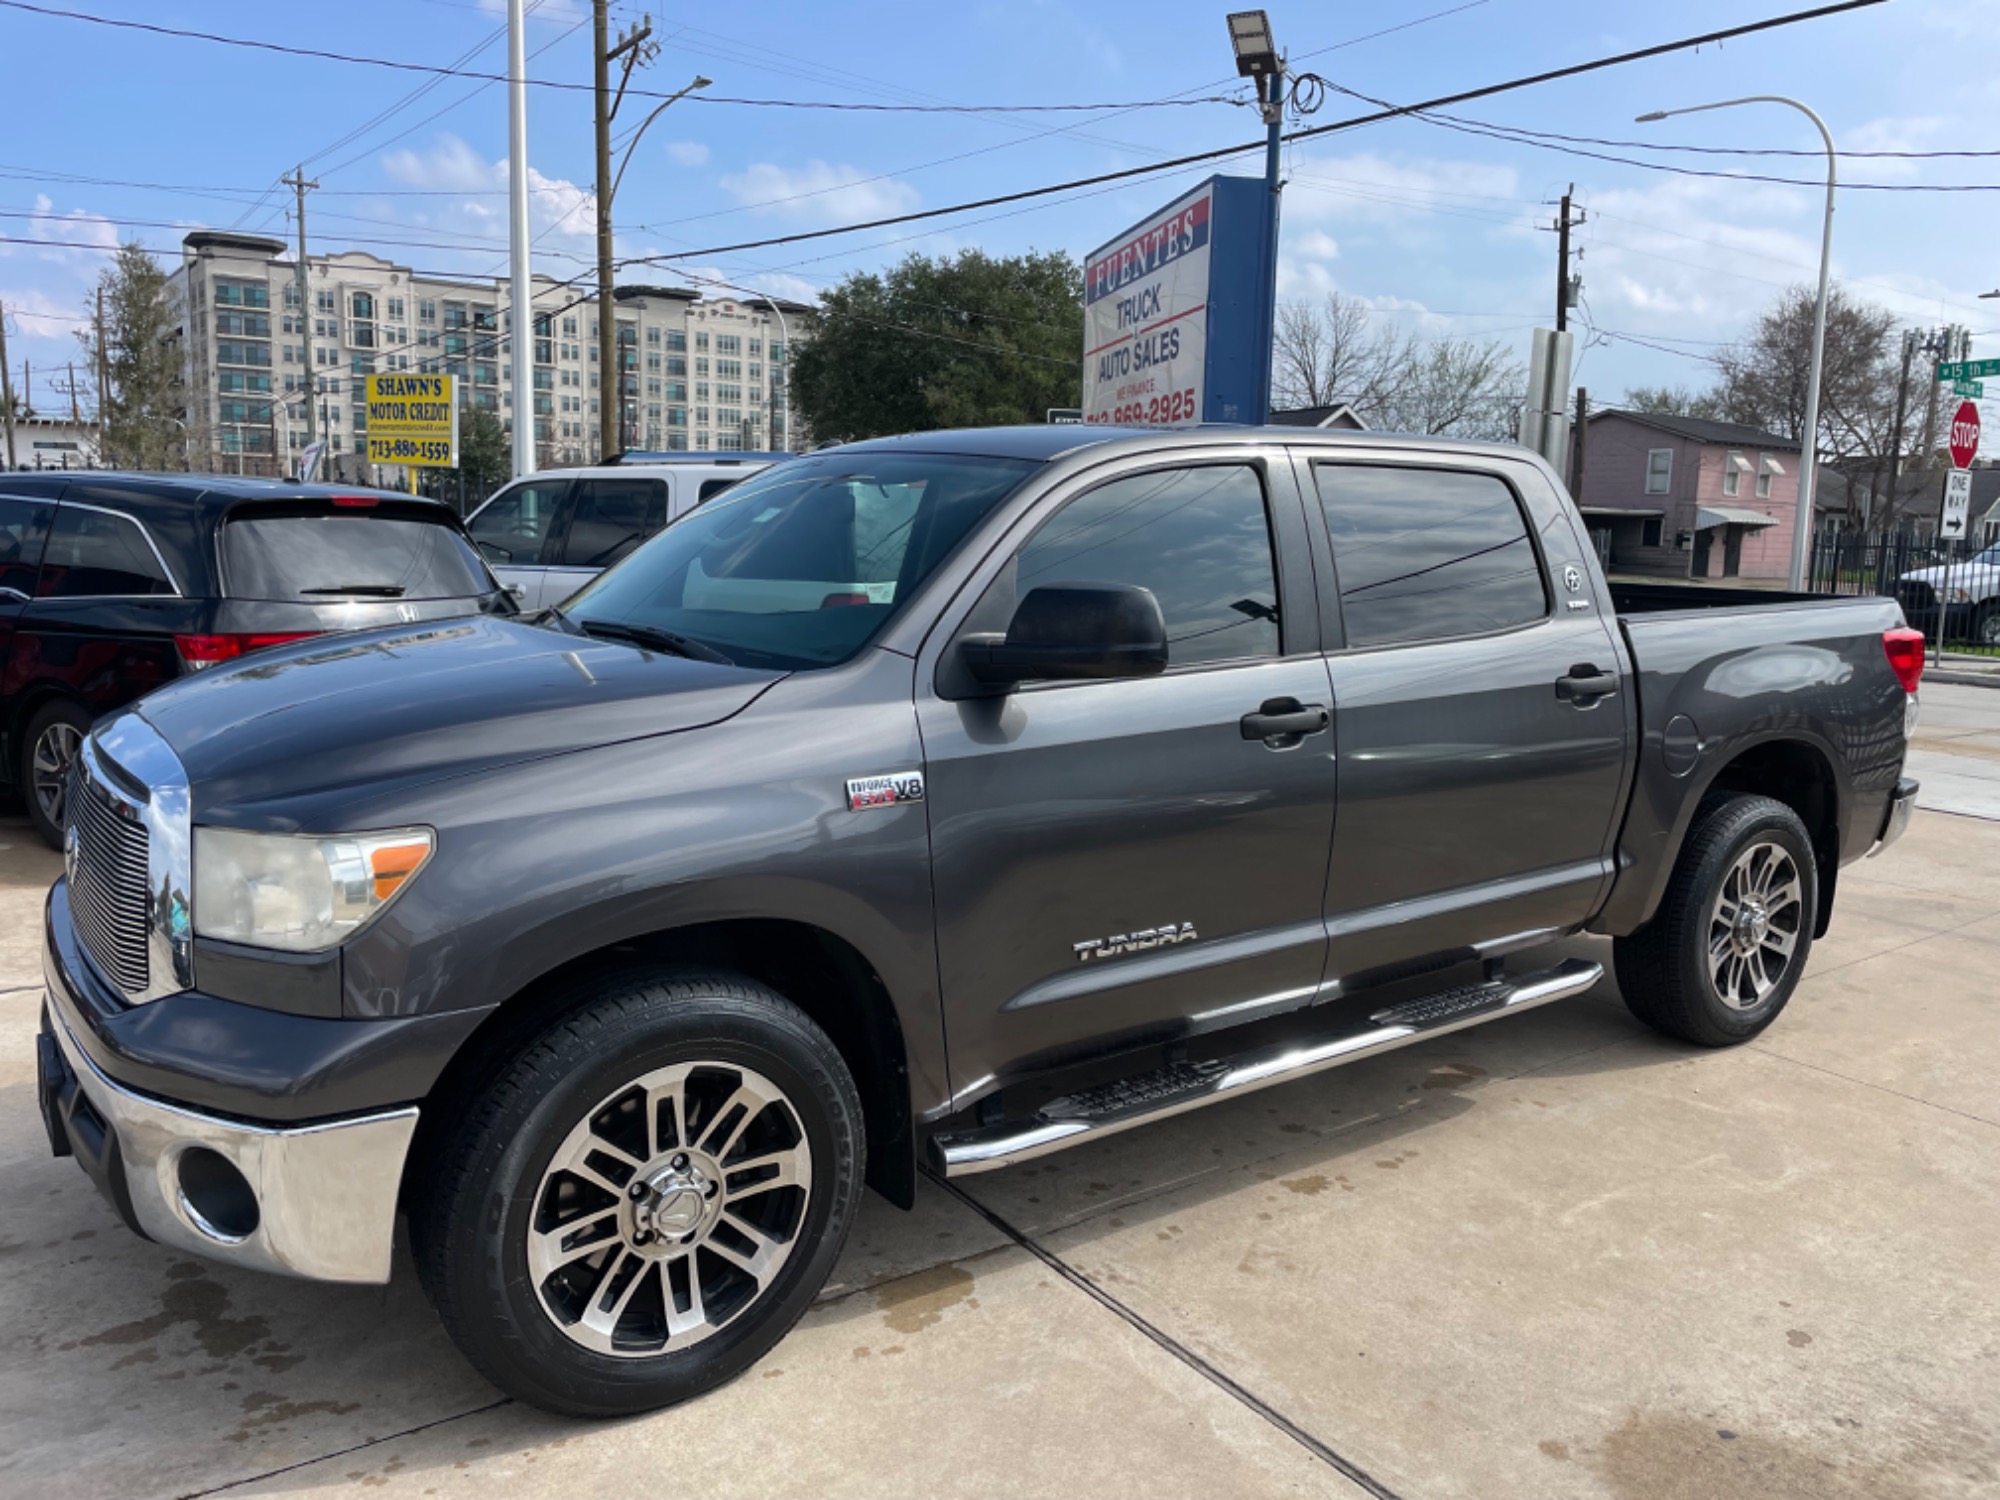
[(548, 534)]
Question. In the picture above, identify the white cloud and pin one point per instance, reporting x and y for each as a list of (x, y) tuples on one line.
[(561, 214), (687, 153), (1370, 189), (819, 191)]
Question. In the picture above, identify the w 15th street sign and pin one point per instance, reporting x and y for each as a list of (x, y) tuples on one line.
[(1968, 369)]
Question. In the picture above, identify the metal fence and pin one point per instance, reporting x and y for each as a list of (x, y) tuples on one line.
[(1950, 590)]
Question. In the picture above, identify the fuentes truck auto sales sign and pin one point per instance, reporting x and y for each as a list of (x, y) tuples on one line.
[(1171, 310)]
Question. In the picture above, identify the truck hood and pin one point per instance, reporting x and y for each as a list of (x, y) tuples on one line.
[(1979, 579), (416, 702)]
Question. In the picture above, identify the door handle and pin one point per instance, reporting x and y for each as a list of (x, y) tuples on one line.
[(1585, 684), (1285, 719)]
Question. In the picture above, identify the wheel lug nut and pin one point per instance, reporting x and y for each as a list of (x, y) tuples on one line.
[(680, 1163), (637, 1191)]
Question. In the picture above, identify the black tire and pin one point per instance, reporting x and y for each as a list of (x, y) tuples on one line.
[(47, 745), (491, 1174), (1986, 625), (1667, 970)]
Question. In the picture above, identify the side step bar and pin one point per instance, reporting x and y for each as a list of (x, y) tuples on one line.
[(1180, 1087)]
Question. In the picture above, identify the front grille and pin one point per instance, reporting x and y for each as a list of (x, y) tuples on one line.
[(108, 885)]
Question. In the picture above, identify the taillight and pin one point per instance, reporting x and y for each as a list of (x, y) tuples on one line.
[(1905, 650), (356, 502), (206, 650)]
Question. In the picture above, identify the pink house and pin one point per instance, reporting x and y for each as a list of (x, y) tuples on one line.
[(1683, 497)]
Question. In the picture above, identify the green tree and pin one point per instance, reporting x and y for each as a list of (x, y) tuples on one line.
[(971, 340), (485, 453), (144, 397)]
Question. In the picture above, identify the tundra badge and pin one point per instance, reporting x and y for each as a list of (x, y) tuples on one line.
[(1134, 942)]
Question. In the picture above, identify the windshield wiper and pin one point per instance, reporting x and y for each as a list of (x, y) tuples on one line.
[(372, 590), (657, 639)]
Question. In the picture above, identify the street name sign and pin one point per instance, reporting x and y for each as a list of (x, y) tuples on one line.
[(1968, 369), (1061, 415), (1971, 389), (1964, 435), (1957, 504), (413, 420)]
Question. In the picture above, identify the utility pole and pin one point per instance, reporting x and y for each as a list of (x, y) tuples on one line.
[(633, 47), (6, 388), (1886, 510), (1564, 286), (103, 376), (299, 184), (75, 412), (522, 277)]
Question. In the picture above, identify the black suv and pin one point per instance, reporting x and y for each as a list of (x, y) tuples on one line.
[(111, 584)]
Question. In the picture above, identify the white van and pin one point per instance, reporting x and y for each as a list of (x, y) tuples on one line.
[(548, 534)]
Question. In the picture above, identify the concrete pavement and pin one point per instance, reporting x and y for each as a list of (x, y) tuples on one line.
[(1557, 1256), (1955, 751)]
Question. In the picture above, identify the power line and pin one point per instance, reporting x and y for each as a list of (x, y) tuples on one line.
[(320, 54), (1589, 140)]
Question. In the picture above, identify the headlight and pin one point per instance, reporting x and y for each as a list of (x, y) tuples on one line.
[(277, 890)]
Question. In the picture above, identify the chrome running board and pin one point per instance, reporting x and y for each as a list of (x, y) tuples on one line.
[(1179, 1087)]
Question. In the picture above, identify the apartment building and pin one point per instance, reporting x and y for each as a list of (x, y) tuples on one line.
[(693, 372)]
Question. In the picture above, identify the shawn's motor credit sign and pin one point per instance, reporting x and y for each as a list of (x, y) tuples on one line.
[(412, 420), (1170, 309)]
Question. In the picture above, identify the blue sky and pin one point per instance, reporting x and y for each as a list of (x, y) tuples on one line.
[(1437, 228)]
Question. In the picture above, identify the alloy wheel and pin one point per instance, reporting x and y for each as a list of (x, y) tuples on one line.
[(1753, 929), (669, 1209), (54, 756)]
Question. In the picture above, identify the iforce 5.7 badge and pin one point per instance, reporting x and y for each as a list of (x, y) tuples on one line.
[(897, 787)]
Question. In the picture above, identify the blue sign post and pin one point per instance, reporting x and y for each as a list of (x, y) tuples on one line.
[(1176, 312)]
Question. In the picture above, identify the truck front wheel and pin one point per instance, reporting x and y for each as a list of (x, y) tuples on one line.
[(645, 1198), (1730, 940)]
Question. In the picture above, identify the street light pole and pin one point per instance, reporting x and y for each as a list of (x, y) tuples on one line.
[(1258, 59), (523, 294), (1809, 444)]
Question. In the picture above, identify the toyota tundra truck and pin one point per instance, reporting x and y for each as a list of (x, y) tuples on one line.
[(925, 805)]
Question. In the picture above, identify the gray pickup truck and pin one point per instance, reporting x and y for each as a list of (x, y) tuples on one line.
[(926, 804)]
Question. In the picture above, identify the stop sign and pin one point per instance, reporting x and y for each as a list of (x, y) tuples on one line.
[(1964, 435)]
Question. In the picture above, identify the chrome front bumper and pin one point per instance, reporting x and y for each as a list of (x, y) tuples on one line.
[(325, 1195)]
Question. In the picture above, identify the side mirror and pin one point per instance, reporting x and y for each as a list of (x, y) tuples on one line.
[(1068, 632)]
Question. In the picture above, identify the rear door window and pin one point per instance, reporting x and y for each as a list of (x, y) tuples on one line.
[(1426, 554), (316, 558), (24, 527), (710, 488), (99, 553), (610, 518), (512, 528)]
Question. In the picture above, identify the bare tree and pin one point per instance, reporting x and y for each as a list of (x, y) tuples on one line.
[(1336, 353), (1675, 401), (1762, 380)]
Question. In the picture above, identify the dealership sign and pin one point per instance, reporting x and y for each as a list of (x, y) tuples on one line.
[(1172, 312), (413, 420)]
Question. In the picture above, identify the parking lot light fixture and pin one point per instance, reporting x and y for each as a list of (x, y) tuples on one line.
[(1250, 35)]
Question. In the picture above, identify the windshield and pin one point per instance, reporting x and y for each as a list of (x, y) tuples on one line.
[(803, 564)]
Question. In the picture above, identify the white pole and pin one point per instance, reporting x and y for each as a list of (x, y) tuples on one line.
[(1809, 443), (523, 329)]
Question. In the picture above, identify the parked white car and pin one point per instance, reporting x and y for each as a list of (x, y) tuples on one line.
[(1967, 591), (548, 534)]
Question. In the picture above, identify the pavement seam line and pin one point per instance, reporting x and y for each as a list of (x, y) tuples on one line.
[(1345, 1467), (1817, 974), (307, 1463), (1799, 1062)]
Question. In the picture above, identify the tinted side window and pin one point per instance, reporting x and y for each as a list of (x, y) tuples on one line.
[(513, 525), (1198, 538), (1425, 553), (612, 516), (24, 526), (97, 552)]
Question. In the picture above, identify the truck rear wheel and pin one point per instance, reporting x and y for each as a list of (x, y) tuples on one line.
[(646, 1197), (1730, 940)]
